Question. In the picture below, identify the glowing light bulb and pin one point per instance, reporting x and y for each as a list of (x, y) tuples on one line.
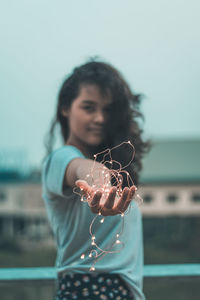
[(82, 256), (92, 268), (117, 235), (93, 237), (118, 242), (122, 215), (102, 220)]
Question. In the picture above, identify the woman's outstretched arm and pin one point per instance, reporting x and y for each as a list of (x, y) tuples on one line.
[(76, 175)]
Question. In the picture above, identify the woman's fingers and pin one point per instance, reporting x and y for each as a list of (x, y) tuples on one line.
[(111, 198), (95, 203), (130, 197), (108, 208), (122, 200), (94, 196)]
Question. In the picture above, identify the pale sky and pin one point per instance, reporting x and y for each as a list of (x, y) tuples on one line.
[(155, 44)]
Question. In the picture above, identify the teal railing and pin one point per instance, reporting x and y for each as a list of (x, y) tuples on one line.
[(49, 273)]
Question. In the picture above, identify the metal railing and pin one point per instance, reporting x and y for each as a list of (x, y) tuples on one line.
[(49, 273)]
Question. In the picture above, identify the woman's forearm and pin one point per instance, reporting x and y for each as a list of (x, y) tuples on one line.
[(86, 169)]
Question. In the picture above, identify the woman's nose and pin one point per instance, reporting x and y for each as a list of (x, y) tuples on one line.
[(99, 117)]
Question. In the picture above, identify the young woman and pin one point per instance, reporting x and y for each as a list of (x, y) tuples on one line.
[(96, 110)]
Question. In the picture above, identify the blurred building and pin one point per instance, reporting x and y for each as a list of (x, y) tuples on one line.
[(170, 185), (171, 179), (22, 212)]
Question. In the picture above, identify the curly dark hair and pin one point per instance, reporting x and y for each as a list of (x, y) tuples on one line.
[(124, 118)]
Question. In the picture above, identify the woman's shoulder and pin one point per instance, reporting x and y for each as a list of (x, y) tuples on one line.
[(65, 151), (61, 156), (54, 167)]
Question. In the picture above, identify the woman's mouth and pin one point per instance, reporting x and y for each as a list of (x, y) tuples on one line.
[(97, 130)]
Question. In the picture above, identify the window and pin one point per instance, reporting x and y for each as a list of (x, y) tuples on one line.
[(147, 198), (20, 200), (196, 197), (19, 225), (171, 198), (2, 196)]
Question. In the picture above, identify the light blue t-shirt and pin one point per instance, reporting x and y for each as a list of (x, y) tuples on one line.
[(70, 220)]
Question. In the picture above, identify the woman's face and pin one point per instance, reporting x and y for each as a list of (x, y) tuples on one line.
[(88, 116)]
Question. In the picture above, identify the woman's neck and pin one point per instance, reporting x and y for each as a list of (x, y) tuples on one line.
[(88, 151)]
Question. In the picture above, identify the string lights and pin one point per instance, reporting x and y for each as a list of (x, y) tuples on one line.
[(101, 181)]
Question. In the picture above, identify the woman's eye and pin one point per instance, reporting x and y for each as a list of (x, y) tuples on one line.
[(89, 108)]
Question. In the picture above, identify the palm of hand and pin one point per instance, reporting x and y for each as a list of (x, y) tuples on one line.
[(109, 203)]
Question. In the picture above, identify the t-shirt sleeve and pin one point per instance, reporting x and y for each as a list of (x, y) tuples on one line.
[(55, 166)]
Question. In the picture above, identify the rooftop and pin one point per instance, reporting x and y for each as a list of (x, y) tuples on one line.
[(172, 161), (168, 162)]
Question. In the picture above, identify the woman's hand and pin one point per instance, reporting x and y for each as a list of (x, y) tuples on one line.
[(113, 204)]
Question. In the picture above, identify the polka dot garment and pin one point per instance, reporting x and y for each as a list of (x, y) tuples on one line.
[(92, 286)]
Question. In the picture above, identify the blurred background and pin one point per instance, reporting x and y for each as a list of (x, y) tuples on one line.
[(156, 46)]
